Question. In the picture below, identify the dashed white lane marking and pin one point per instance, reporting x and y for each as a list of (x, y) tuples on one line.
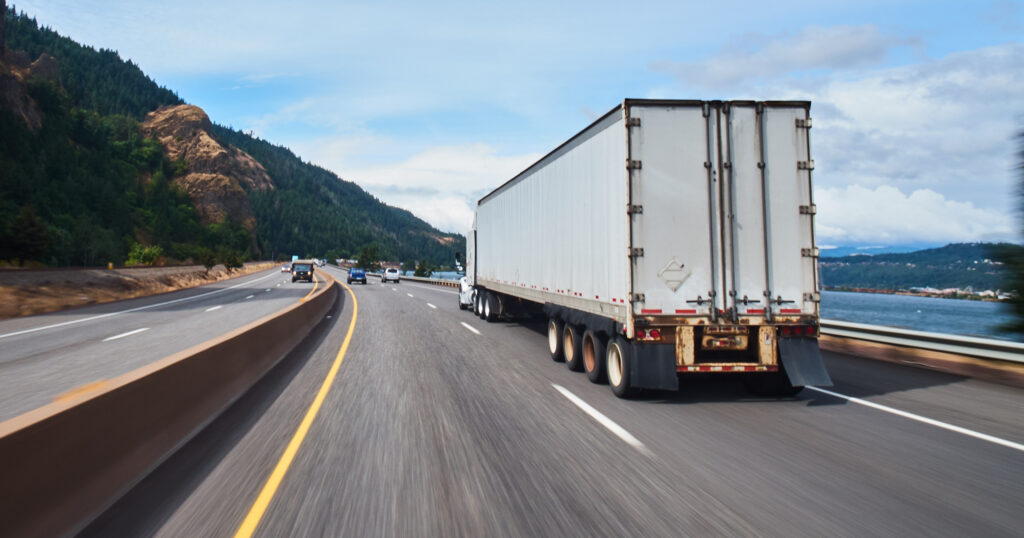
[(212, 308), (926, 420), (470, 327), (136, 309), (129, 333), (268, 289), (431, 306), (250, 297), (409, 294), (603, 420), (394, 289)]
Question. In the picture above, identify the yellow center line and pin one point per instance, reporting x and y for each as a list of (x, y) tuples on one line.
[(315, 284), (252, 520)]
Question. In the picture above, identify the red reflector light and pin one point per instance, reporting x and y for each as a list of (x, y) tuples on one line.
[(655, 334), (640, 333), (811, 330), (787, 331)]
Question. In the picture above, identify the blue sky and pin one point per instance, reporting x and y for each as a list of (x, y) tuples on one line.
[(430, 105)]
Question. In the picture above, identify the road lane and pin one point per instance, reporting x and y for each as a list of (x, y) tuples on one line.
[(45, 356), (431, 429)]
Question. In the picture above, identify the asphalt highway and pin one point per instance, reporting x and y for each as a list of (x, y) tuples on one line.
[(440, 424), (46, 356)]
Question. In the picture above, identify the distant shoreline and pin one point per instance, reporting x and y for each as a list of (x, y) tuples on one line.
[(960, 296)]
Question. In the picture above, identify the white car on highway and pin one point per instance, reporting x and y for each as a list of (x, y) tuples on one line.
[(392, 275)]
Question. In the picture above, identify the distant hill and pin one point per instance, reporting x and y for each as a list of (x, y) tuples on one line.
[(82, 182), (959, 265)]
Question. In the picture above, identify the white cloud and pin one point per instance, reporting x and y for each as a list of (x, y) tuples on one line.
[(939, 129), (946, 125), (755, 56), (857, 214), (440, 184)]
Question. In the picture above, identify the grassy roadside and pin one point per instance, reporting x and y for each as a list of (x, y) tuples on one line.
[(30, 292)]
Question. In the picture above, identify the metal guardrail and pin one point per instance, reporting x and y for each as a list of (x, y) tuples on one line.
[(970, 346), (435, 281), (947, 343)]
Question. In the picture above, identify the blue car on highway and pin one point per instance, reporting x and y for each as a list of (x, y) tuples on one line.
[(356, 274)]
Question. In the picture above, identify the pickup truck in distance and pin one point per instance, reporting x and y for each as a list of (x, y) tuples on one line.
[(667, 238), (356, 274), (302, 270)]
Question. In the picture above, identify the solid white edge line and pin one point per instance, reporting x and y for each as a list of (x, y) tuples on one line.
[(470, 327), (129, 333), (136, 309), (431, 306), (212, 308), (442, 289), (926, 420), (603, 420)]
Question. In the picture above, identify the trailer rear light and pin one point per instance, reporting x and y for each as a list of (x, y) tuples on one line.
[(799, 330), (648, 335)]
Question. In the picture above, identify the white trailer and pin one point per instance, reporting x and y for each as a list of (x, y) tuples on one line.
[(668, 237)]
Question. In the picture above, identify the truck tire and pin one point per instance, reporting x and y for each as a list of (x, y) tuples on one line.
[(462, 306), (594, 349), (572, 347), (618, 365), (480, 304), (492, 307), (770, 385), (555, 327)]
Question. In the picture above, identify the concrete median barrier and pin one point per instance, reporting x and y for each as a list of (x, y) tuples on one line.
[(64, 463)]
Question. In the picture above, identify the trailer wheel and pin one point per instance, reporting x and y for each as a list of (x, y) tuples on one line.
[(593, 355), (555, 327), (617, 362), (572, 347), (771, 385), (492, 307)]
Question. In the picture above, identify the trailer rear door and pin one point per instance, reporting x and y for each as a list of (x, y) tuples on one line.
[(705, 178)]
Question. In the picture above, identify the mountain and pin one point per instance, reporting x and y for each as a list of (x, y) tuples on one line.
[(959, 265), (870, 250), (97, 161)]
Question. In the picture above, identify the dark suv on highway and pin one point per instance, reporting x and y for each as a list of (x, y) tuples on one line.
[(302, 270)]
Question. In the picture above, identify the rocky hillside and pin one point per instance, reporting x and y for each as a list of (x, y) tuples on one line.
[(100, 163), (215, 176)]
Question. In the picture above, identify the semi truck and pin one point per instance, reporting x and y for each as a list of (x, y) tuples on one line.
[(669, 237)]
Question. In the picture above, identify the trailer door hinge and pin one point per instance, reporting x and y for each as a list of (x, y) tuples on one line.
[(633, 165), (637, 297), (634, 209), (633, 122), (802, 123), (812, 297), (809, 252), (805, 165), (636, 252), (810, 209)]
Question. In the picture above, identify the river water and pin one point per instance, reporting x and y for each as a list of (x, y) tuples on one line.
[(949, 316)]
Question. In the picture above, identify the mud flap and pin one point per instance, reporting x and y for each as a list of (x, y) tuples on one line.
[(653, 366), (802, 361)]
